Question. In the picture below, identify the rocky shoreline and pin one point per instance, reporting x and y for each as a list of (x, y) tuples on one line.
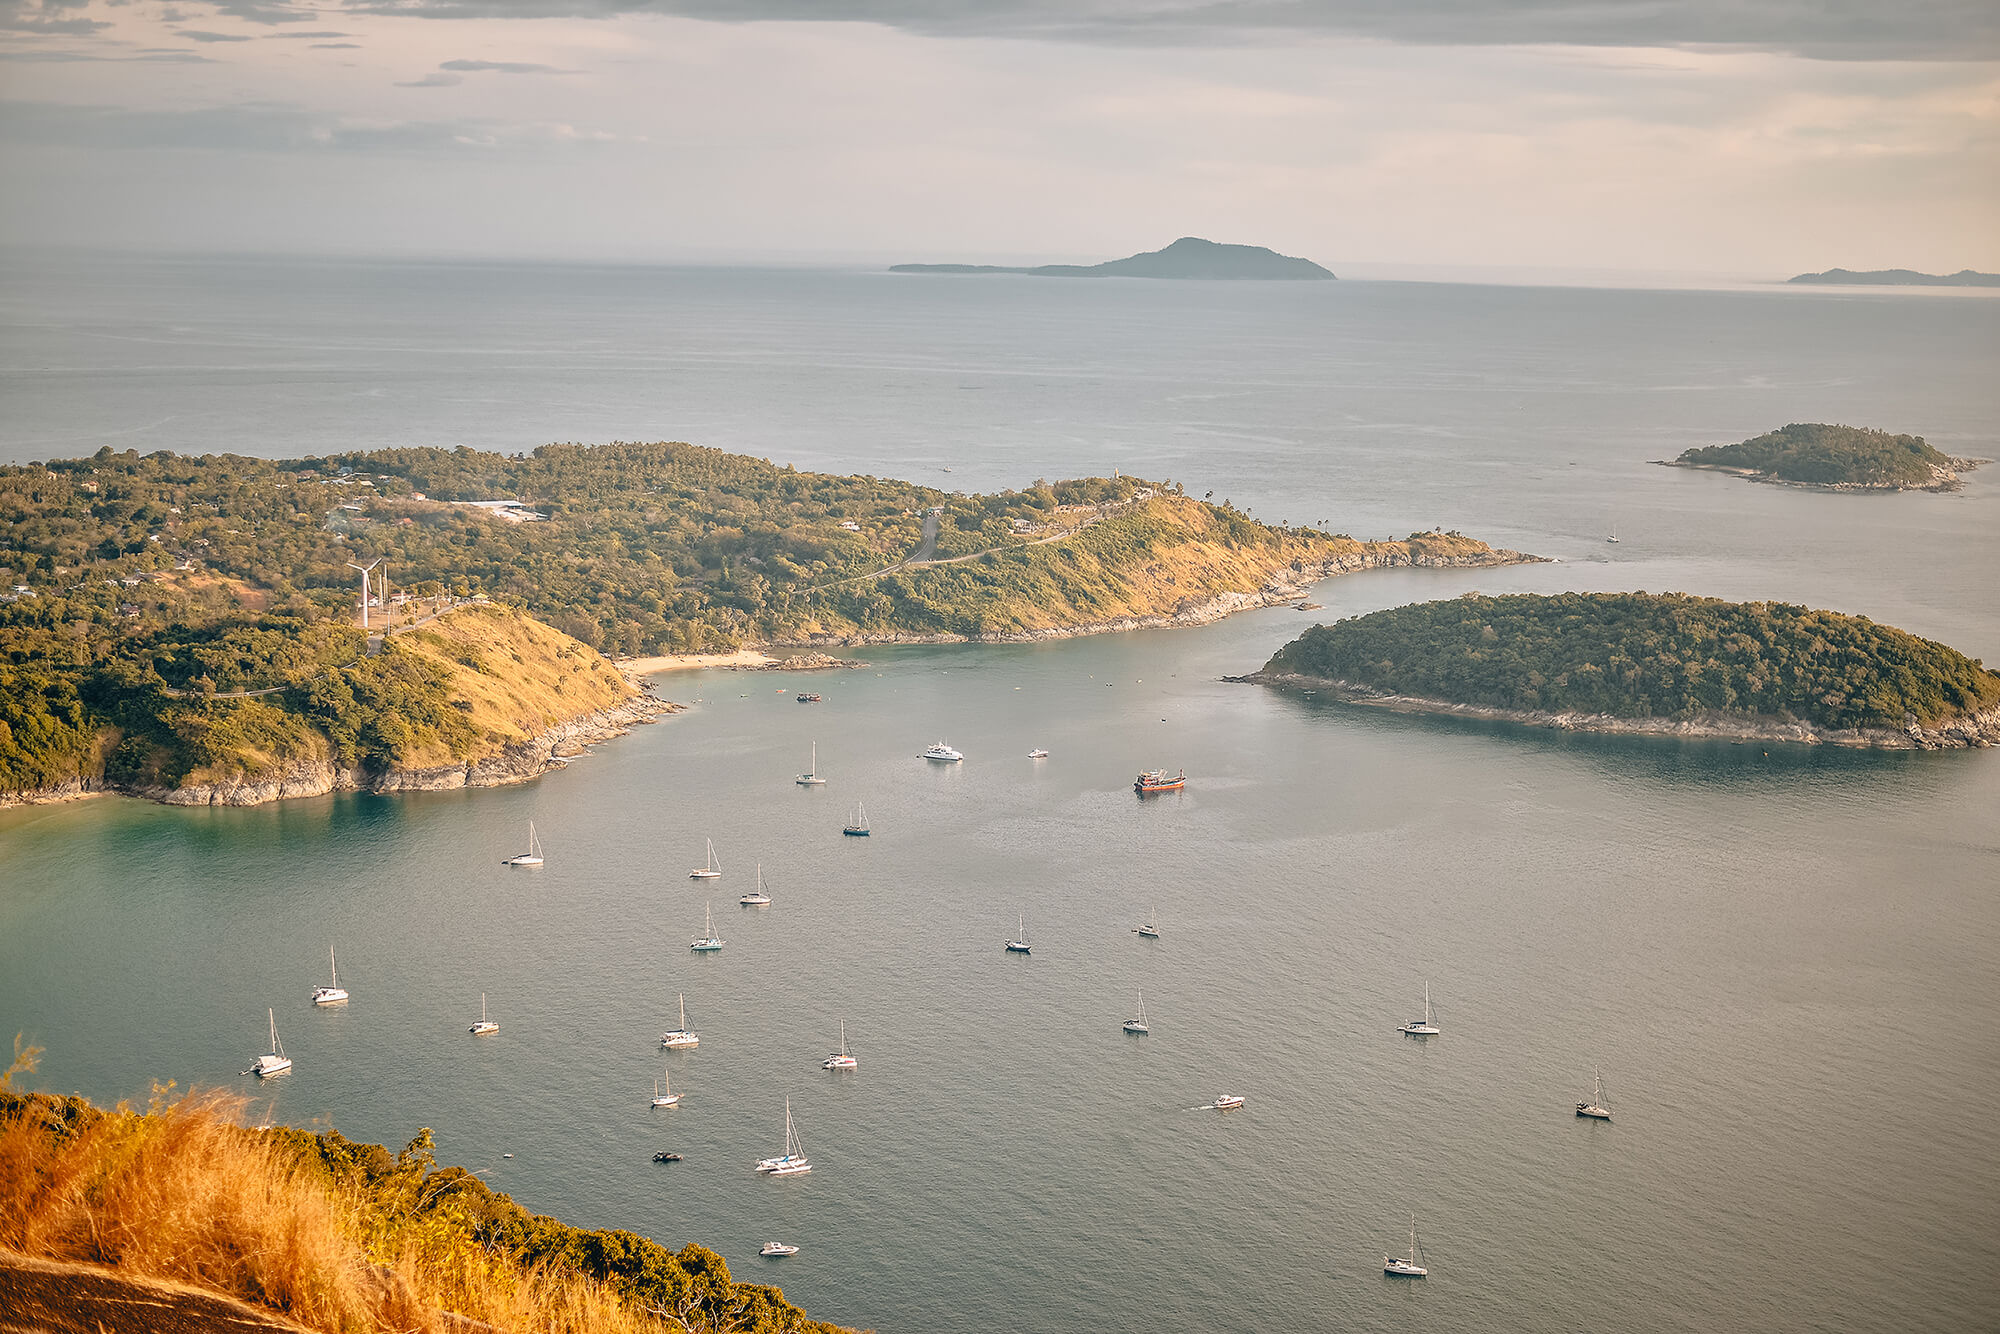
[(1945, 478), (1977, 730)]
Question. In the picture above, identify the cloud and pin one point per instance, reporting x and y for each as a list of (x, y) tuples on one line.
[(150, 57), (501, 66), (334, 46), (317, 36), (434, 81), (195, 35), (46, 16), (249, 127), (258, 11)]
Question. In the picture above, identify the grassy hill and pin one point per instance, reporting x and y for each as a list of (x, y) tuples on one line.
[(1847, 457)]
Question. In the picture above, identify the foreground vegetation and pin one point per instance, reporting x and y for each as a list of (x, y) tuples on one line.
[(340, 1236), (1638, 655), (1815, 454)]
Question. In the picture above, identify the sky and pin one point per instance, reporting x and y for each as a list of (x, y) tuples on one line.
[(1748, 137)]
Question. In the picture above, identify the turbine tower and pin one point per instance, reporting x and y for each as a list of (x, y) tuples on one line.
[(364, 586)]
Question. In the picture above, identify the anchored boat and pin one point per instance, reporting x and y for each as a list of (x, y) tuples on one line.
[(1159, 780)]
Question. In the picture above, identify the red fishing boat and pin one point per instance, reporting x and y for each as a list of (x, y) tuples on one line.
[(1159, 780)]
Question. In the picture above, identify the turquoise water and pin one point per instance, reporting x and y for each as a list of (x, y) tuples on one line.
[(1781, 958)]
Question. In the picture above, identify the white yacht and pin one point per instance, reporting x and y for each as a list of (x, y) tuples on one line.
[(335, 994), (1406, 1267), (778, 1248), (1019, 944), (682, 1036), (842, 1059), (708, 942), (943, 753), (1425, 1027), (1146, 930), (1139, 1025), (1038, 754), (663, 1092), (1224, 1101), (710, 871), (1595, 1108), (811, 778), (274, 1061), (756, 898), (533, 856), (792, 1162), (485, 1025)]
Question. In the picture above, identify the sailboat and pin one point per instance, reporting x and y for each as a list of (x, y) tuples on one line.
[(708, 942), (792, 1162), (533, 856), (1146, 929), (1425, 1027), (1139, 1025), (756, 898), (858, 826), (485, 1025), (842, 1059), (274, 1061), (682, 1036), (1595, 1108), (1402, 1267), (1019, 944), (663, 1092), (811, 778), (335, 994), (710, 871), (1613, 537)]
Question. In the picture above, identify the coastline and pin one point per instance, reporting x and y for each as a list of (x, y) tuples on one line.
[(1979, 730), (1943, 479)]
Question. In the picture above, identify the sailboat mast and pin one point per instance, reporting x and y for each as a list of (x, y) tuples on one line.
[(333, 964)]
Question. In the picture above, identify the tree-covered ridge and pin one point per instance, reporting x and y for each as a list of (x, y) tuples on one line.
[(1639, 655), (1816, 454)]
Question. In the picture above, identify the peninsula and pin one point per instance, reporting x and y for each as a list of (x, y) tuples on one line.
[(1833, 458), (1189, 257), (1898, 278), (1665, 664)]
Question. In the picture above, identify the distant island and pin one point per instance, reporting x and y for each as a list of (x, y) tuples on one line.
[(1189, 257), (1898, 278), (1652, 663), (1833, 458)]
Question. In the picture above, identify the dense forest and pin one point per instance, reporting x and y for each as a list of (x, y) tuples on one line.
[(1816, 454), (1638, 655)]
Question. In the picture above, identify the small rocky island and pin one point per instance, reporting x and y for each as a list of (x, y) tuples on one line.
[(1189, 257), (1897, 278), (1833, 458), (1665, 664)]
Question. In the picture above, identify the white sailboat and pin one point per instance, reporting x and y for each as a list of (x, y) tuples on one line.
[(1146, 930), (710, 871), (335, 994), (858, 826), (1425, 1027), (708, 942), (1019, 944), (533, 856), (756, 898), (663, 1092), (792, 1162), (1402, 1267), (1595, 1108), (274, 1061), (842, 1059), (485, 1025), (811, 778), (1139, 1025), (682, 1036)]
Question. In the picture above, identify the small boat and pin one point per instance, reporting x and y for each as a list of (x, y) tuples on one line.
[(779, 1247), (682, 1036), (1146, 930), (1139, 1025), (663, 1156), (1402, 1267), (1159, 780), (335, 994), (708, 942), (811, 778), (1595, 1108), (805, 697), (485, 1025), (1038, 754), (942, 753), (842, 1059), (1613, 537), (663, 1093), (532, 857), (1425, 1027), (792, 1162), (858, 826), (756, 898), (1019, 944), (274, 1061), (1225, 1101), (710, 871)]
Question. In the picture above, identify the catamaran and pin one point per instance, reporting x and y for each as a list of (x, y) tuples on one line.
[(1146, 929), (274, 1061), (1139, 1025), (1425, 1027), (485, 1025), (710, 871), (858, 826), (708, 942), (682, 1036), (1019, 944), (1595, 1108), (811, 778), (943, 753), (756, 898), (335, 994), (532, 857), (663, 1092), (792, 1162), (840, 1060), (1405, 1267)]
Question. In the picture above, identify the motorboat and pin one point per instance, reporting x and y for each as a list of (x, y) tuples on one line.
[(1019, 944), (1595, 1109), (1225, 1101), (1038, 754), (485, 1025), (682, 1036), (663, 1156), (942, 753), (707, 942), (807, 697), (811, 778), (1139, 1025), (1406, 1267), (1159, 780), (274, 1061), (334, 994), (779, 1247), (1425, 1027), (842, 1059), (757, 898), (710, 871), (532, 857)]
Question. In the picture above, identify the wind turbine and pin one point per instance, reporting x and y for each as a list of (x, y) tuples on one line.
[(364, 586)]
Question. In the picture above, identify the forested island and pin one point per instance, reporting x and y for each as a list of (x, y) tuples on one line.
[(1659, 663), (1897, 278), (185, 628), (1189, 257), (1834, 458)]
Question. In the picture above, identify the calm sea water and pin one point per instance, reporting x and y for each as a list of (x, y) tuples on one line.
[(1783, 960)]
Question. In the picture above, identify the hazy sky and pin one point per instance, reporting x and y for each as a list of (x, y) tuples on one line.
[(1743, 136)]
